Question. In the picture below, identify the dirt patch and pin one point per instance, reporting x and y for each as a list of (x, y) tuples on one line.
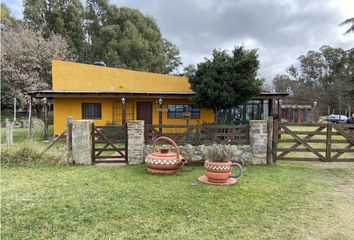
[(110, 164), (335, 165), (342, 207)]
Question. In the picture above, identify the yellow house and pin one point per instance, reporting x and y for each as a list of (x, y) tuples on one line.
[(112, 96)]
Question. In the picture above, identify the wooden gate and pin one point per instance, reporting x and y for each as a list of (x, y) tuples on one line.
[(109, 144), (313, 141)]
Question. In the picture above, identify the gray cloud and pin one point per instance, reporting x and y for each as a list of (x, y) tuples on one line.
[(281, 30)]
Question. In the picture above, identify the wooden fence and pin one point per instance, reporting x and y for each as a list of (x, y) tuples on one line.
[(199, 134), (109, 144), (313, 141)]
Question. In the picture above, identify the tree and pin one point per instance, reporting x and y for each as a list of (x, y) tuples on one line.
[(120, 36), (124, 37), (171, 56), (226, 80), (189, 71), (325, 76), (350, 72), (26, 60), (349, 22), (5, 13), (64, 17)]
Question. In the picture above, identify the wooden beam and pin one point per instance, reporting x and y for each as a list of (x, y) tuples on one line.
[(46, 120), (329, 142), (303, 143), (124, 111), (344, 134), (30, 118), (160, 114), (270, 141), (54, 141), (308, 137)]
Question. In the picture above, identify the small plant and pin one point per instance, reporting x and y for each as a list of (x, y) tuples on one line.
[(219, 153)]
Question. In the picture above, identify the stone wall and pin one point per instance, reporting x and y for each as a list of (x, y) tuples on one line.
[(259, 141), (82, 142), (241, 153), (255, 153), (135, 141)]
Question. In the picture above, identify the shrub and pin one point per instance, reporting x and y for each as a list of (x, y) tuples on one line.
[(219, 153), (31, 153)]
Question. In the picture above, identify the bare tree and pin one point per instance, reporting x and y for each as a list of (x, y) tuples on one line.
[(26, 58), (26, 63), (350, 22)]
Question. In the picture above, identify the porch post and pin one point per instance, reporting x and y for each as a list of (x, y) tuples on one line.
[(30, 118), (45, 108), (270, 107), (124, 111), (160, 114), (279, 117)]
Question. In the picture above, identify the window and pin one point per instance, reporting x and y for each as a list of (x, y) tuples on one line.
[(91, 111), (179, 111), (117, 111)]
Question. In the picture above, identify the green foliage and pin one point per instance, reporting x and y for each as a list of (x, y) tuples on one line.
[(124, 37), (325, 76), (5, 13), (226, 80), (350, 70), (120, 36), (64, 17), (31, 153), (7, 95), (189, 71)]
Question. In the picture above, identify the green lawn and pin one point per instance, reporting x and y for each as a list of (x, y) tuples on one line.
[(20, 136), (290, 200)]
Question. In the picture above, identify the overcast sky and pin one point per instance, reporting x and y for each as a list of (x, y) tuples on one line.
[(281, 30)]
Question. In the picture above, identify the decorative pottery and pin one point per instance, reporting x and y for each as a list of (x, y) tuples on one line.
[(220, 172), (164, 161)]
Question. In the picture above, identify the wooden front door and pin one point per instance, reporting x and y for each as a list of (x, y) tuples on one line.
[(145, 112)]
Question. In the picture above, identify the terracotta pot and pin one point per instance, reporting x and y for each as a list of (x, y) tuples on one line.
[(220, 172), (164, 162)]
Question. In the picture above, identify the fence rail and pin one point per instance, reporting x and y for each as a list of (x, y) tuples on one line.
[(313, 142), (109, 144), (199, 134)]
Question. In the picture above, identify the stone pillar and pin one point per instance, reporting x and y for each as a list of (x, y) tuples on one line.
[(82, 142), (259, 141), (135, 141)]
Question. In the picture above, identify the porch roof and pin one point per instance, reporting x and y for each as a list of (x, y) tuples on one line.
[(113, 94), (108, 94)]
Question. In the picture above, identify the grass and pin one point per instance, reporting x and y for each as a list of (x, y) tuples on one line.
[(290, 200), (20, 137)]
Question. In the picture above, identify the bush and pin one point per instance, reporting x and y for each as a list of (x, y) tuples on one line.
[(219, 153), (30, 153)]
